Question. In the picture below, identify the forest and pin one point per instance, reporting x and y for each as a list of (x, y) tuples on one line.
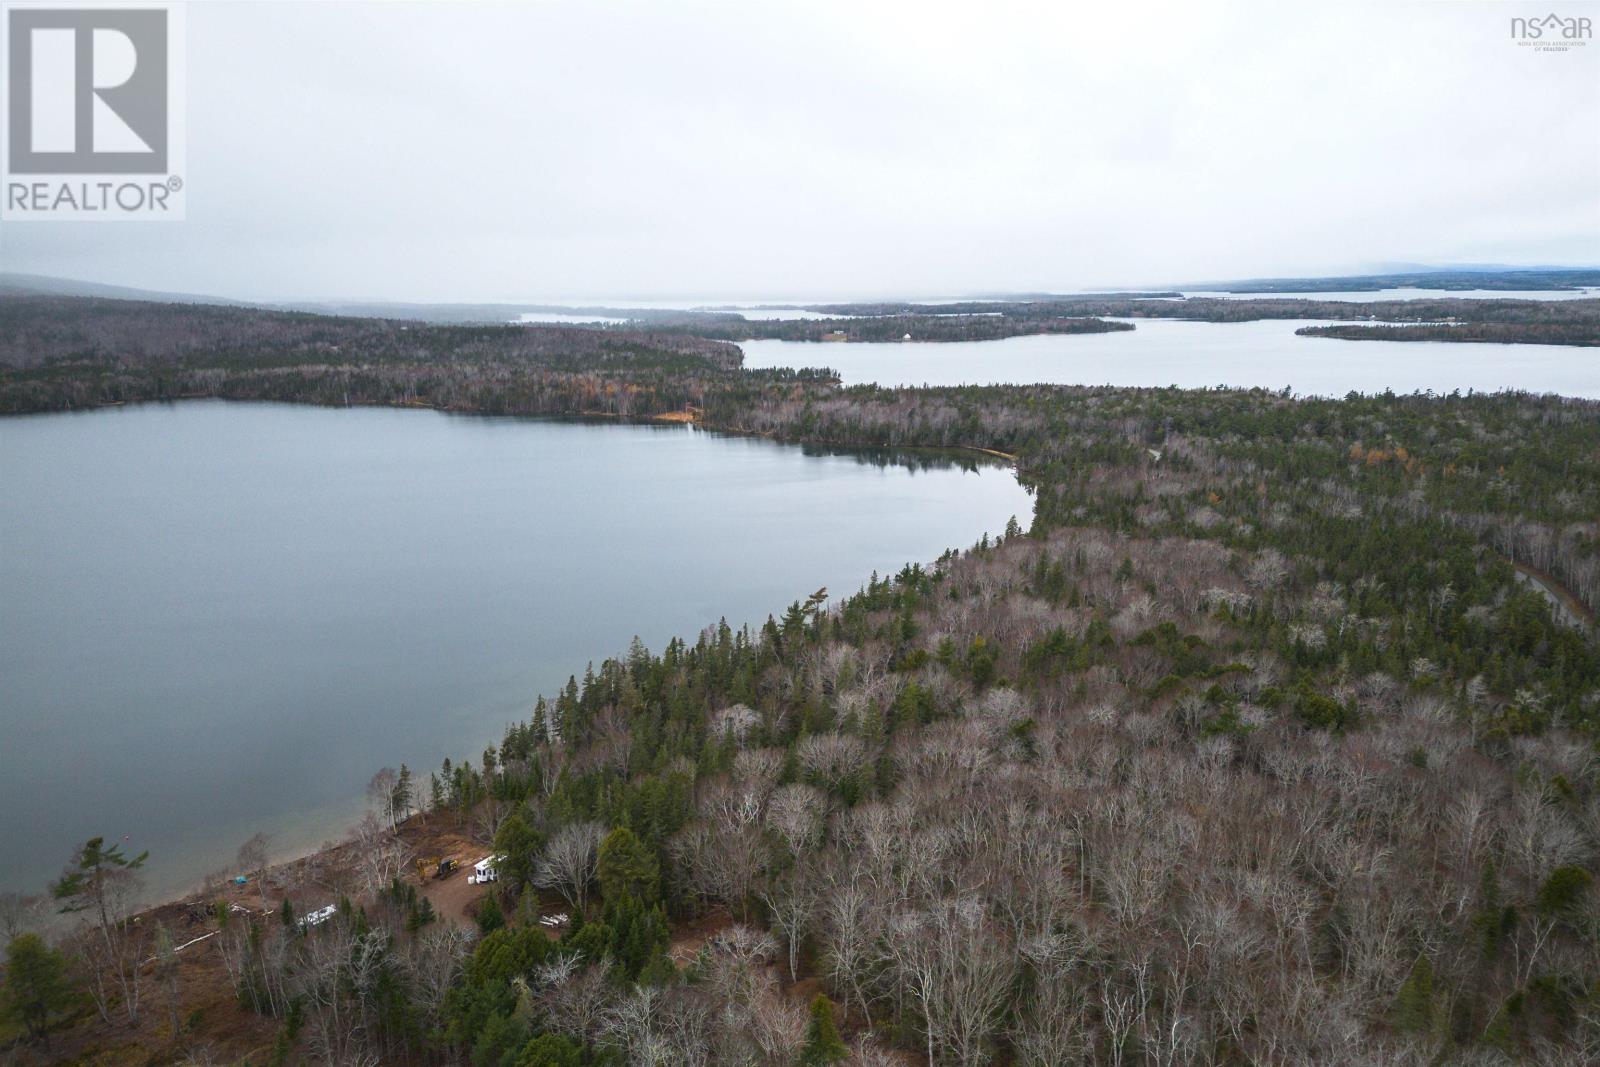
[(1579, 316), (61, 332), (62, 353), (1257, 743), (1555, 333), (988, 326)]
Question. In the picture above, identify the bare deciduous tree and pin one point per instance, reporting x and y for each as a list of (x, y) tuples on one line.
[(567, 864), (381, 794)]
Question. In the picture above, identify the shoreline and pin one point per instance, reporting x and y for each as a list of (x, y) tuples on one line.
[(307, 867), (327, 837), (1560, 597)]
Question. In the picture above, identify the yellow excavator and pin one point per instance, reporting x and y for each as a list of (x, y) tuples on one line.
[(435, 866)]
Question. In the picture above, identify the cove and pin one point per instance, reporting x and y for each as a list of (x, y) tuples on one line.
[(217, 618)]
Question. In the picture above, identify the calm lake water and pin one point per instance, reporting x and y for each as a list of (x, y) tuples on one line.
[(1160, 352), (752, 314), (561, 318), (217, 618)]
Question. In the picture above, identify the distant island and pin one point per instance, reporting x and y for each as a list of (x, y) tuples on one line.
[(911, 326), (61, 352), (1527, 333), (1508, 280)]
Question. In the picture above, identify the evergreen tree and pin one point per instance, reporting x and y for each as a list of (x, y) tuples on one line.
[(1414, 1005), (489, 916), (551, 1050), (517, 844), (626, 868), (823, 1045), (97, 883), (404, 793), (1562, 891), (85, 886), (36, 988)]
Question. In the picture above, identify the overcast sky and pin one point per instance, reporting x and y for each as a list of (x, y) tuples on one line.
[(672, 149)]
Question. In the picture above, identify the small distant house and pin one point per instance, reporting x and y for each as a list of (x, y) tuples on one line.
[(907, 337), (835, 335)]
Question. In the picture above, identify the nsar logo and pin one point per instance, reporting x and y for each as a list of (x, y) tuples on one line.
[(1553, 33)]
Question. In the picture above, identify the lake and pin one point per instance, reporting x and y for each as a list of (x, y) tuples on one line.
[(217, 618), (1161, 352), (752, 314), (772, 312), (562, 318)]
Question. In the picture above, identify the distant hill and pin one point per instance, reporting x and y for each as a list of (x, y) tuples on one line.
[(12, 283), (1521, 279), (1507, 280), (15, 284), (456, 313)]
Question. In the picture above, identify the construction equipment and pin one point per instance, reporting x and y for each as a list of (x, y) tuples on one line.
[(435, 867)]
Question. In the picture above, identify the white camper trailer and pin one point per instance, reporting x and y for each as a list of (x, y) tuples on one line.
[(485, 870)]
